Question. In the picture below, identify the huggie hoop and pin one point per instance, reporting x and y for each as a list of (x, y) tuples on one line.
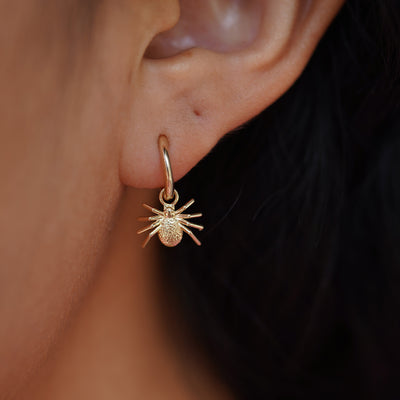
[(168, 194)]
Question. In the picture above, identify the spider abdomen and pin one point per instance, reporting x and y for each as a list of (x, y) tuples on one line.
[(170, 232)]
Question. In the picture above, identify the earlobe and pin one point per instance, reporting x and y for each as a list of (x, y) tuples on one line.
[(196, 96)]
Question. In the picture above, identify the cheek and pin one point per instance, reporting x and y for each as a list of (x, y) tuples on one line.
[(59, 190), (56, 208), (59, 173)]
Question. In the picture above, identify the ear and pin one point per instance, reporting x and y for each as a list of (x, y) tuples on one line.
[(222, 64)]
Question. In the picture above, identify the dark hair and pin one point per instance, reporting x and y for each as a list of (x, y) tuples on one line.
[(295, 292)]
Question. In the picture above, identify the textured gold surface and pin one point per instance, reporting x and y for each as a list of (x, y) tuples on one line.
[(170, 233)]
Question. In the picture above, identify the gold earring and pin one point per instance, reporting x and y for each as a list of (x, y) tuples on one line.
[(169, 224)]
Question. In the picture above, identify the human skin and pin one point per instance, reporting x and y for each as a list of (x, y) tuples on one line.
[(81, 108)]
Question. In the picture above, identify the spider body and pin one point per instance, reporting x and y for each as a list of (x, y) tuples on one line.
[(170, 224), (170, 232)]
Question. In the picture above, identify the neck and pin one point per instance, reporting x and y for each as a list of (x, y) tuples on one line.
[(118, 346)]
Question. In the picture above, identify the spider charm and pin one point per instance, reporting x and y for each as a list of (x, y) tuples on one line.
[(170, 224)]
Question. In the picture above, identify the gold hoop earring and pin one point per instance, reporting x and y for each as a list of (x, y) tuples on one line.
[(169, 224)]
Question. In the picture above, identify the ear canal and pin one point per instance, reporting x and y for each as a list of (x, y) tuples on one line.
[(217, 25)]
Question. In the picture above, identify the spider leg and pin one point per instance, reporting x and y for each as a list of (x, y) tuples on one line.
[(187, 216), (190, 233), (152, 209), (153, 225), (150, 235), (187, 223), (183, 208), (152, 218)]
